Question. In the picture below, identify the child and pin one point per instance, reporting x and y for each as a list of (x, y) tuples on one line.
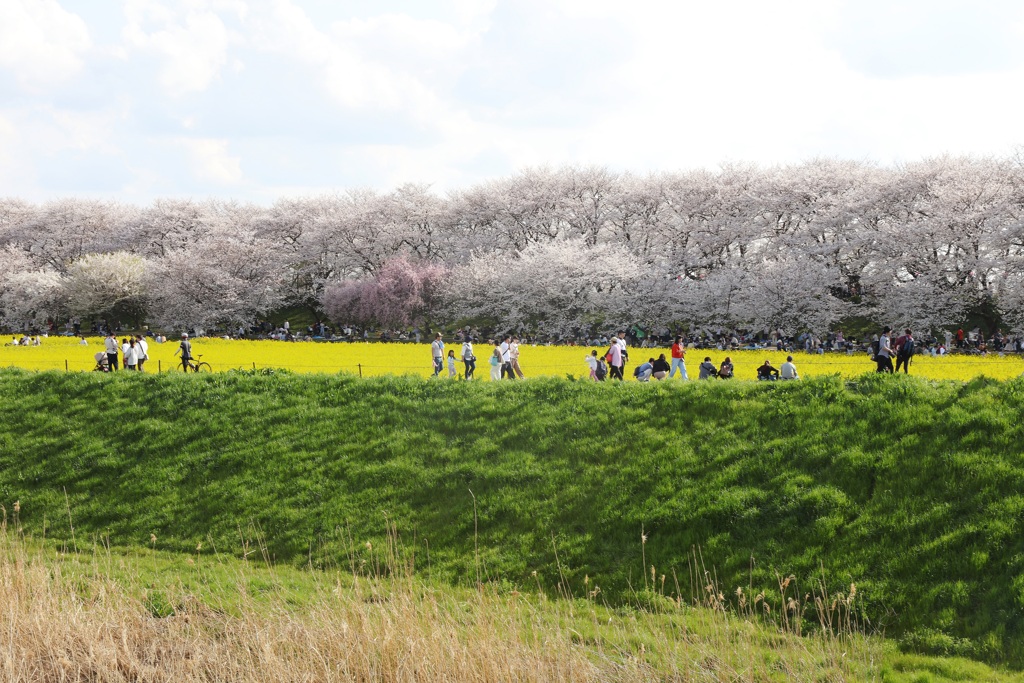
[(451, 363), (591, 361)]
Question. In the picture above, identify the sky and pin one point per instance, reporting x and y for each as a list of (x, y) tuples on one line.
[(257, 100)]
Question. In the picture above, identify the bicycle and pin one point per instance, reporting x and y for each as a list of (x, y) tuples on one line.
[(196, 365)]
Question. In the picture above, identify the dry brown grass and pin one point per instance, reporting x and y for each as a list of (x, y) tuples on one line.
[(87, 617)]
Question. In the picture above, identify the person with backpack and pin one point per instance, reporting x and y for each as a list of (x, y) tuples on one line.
[(904, 351), (644, 371), (601, 372)]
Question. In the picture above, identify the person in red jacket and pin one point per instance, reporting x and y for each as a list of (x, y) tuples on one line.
[(678, 356)]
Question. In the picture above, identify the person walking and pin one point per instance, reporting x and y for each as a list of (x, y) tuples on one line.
[(451, 364), (185, 349), (514, 355), (904, 351), (142, 351), (110, 344), (625, 352), (495, 361), (614, 358), (788, 370), (506, 358), (678, 359), (437, 353), (468, 358), (884, 356), (591, 362)]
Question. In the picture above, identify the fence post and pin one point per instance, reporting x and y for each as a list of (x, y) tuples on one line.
[(360, 369), (159, 367), (254, 365), (65, 365)]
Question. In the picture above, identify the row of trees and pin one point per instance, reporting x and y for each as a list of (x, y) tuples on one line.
[(555, 250)]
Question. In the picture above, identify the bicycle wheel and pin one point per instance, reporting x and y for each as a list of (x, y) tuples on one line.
[(203, 367)]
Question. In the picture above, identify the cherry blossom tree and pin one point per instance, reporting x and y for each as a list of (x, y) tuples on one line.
[(29, 296), (555, 287), (402, 292), (112, 285), (222, 279)]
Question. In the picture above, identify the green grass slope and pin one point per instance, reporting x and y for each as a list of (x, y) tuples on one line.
[(913, 490)]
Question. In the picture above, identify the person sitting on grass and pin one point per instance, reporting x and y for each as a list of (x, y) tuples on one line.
[(789, 370), (767, 373), (707, 369), (726, 370)]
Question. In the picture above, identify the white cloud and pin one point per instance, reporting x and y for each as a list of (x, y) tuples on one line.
[(193, 44), (211, 162), (40, 42), (380, 92)]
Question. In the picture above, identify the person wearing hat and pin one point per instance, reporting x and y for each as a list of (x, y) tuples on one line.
[(185, 349)]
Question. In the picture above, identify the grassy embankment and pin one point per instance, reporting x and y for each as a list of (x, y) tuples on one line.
[(908, 488), (91, 613)]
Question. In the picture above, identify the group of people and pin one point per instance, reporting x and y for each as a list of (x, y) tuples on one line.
[(901, 348), (25, 341), (131, 353), (504, 358), (614, 361)]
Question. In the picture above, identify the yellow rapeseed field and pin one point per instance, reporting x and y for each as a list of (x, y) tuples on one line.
[(368, 359)]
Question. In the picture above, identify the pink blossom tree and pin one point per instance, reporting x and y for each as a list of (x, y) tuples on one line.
[(401, 293)]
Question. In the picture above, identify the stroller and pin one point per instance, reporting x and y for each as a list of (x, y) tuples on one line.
[(102, 364)]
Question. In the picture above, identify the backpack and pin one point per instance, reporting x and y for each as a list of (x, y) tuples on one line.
[(602, 370), (874, 349), (908, 348)]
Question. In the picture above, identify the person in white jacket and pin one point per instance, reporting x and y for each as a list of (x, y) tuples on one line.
[(131, 354)]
